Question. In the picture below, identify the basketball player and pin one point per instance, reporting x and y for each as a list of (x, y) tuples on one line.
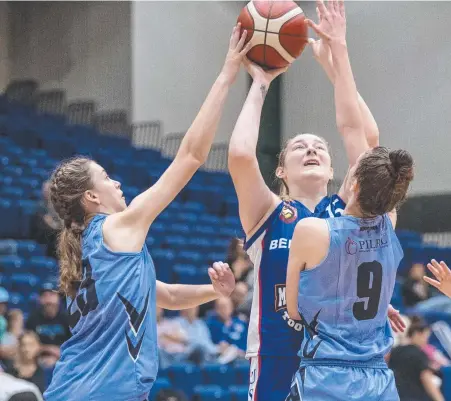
[(348, 264), (106, 269), (269, 220), (442, 273), (341, 273)]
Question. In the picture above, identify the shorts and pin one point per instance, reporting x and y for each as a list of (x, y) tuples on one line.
[(270, 377), (343, 383)]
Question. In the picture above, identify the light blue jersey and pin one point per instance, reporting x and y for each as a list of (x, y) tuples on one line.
[(112, 354), (344, 301)]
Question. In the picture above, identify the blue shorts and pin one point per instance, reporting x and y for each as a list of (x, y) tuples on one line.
[(317, 382), (270, 377)]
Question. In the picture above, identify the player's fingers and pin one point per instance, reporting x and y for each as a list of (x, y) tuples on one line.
[(445, 268), (246, 49), (311, 41), (334, 6), (331, 6), (438, 269), (322, 8), (240, 44), (232, 36), (434, 271), (212, 273), (218, 268), (316, 28), (431, 281), (318, 14), (393, 326), (236, 35), (341, 8)]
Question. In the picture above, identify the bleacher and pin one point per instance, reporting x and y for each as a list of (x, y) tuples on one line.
[(190, 234)]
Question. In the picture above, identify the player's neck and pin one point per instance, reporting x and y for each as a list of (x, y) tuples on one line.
[(309, 195), (353, 209)]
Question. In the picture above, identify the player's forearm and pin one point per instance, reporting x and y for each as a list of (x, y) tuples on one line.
[(243, 143), (187, 296), (369, 123), (348, 113), (199, 137)]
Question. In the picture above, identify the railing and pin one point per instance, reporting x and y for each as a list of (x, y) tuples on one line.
[(81, 112), (147, 135)]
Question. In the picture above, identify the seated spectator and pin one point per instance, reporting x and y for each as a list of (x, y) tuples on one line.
[(414, 288), (46, 222), (25, 365), (200, 347), (172, 340), (239, 262), (10, 339), (4, 299), (225, 328), (415, 380), (50, 322), (242, 302), (13, 389)]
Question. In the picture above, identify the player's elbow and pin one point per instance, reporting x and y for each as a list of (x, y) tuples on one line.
[(240, 155)]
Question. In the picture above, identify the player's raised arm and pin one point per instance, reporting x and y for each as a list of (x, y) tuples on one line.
[(126, 231), (254, 196), (179, 296), (323, 55)]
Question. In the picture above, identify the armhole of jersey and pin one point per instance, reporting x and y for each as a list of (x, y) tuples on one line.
[(394, 236), (110, 251), (248, 242), (326, 257)]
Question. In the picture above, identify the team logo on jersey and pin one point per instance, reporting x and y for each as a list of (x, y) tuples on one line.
[(288, 214), (280, 304), (311, 334), (135, 320), (351, 247)]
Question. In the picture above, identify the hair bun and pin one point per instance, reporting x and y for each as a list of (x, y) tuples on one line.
[(402, 163)]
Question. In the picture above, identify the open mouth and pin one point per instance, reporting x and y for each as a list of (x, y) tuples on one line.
[(311, 163)]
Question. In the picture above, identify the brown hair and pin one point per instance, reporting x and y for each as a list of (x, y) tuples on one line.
[(383, 177), (284, 191), (69, 182)]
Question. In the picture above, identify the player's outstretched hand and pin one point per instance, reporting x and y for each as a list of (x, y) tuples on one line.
[(397, 324), (443, 275), (331, 20), (222, 278), (257, 73), (237, 51)]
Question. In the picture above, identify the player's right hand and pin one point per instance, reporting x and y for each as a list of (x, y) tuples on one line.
[(237, 51), (260, 75), (331, 20), (443, 275)]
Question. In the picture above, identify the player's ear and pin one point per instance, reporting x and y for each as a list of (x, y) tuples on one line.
[(280, 173), (90, 197)]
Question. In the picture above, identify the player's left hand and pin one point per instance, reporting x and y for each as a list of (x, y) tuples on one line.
[(222, 278), (443, 275), (397, 324), (332, 20)]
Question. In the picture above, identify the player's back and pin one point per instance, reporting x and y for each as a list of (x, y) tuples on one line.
[(344, 300), (112, 353)]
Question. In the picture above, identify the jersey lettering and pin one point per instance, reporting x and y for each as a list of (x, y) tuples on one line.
[(281, 243)]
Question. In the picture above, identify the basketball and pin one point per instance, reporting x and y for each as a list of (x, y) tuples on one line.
[(276, 30)]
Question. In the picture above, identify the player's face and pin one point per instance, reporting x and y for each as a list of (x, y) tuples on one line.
[(106, 192), (307, 157)]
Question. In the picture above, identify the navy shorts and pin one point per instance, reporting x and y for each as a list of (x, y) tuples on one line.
[(270, 377), (342, 383)]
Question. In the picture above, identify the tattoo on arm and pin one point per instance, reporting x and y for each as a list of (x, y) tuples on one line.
[(263, 90)]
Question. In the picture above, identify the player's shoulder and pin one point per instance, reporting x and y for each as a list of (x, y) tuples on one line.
[(311, 227)]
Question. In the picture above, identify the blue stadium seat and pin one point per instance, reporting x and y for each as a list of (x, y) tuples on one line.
[(194, 207), (187, 217), (11, 264), (210, 219), (185, 274), (216, 257), (28, 183), (232, 221), (185, 377), (13, 193), (218, 374), (239, 393), (17, 300), (24, 283), (8, 247), (446, 383), (175, 241), (178, 228), (189, 257), (43, 266), (30, 248), (205, 229), (9, 216), (211, 393), (161, 383), (13, 171), (241, 369)]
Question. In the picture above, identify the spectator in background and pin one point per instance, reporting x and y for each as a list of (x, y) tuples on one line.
[(51, 324), (239, 262), (13, 389), (4, 299), (225, 328), (46, 223), (415, 380), (25, 365), (172, 340), (10, 339), (415, 289)]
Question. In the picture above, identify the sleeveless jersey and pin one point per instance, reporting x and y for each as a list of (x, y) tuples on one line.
[(112, 354), (271, 331), (344, 300)]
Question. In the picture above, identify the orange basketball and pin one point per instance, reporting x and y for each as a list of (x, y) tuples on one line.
[(276, 30)]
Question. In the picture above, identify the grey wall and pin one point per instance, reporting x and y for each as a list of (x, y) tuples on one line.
[(401, 57), (83, 47), (178, 51)]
